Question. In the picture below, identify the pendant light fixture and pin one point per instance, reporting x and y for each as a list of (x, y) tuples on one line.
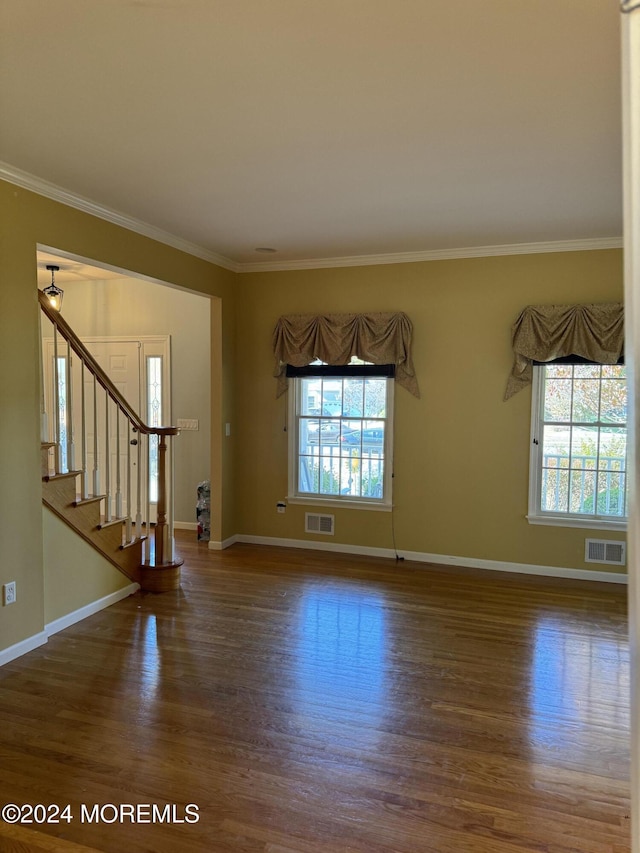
[(53, 293)]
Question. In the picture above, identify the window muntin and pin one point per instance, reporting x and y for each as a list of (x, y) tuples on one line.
[(342, 439), (579, 456)]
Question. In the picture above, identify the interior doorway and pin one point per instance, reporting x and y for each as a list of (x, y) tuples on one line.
[(103, 303)]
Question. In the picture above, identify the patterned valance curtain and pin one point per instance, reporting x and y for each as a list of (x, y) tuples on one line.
[(298, 339), (548, 332)]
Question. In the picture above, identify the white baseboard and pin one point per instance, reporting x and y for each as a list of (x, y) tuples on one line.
[(24, 646), (89, 609), (185, 525), (516, 568), (437, 559), (226, 543), (31, 643), (314, 545)]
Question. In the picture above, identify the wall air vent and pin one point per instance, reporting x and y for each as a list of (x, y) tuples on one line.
[(315, 523), (609, 551)]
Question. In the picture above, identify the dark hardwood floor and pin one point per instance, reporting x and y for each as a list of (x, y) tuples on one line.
[(308, 703)]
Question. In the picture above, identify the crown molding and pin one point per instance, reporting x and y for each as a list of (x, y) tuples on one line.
[(588, 244), (45, 188)]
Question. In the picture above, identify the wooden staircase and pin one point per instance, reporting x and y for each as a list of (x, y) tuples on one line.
[(59, 493), (148, 559)]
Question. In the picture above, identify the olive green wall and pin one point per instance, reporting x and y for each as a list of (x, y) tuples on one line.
[(26, 220), (461, 453), (75, 574)]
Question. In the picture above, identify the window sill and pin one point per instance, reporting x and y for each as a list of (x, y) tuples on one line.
[(573, 521), (319, 501)]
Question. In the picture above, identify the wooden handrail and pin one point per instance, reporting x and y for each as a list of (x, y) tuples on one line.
[(79, 348)]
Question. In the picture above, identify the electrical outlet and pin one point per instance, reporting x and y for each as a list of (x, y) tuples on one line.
[(9, 593), (281, 506)]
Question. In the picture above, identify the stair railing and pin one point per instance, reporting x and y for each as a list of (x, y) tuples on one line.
[(106, 421)]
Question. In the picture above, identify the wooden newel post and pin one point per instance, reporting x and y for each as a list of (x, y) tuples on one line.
[(161, 511)]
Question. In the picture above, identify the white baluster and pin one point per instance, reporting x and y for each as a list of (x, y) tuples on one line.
[(139, 486), (128, 530), (83, 434), (118, 483), (107, 460), (44, 421), (96, 448), (56, 403), (148, 491), (71, 447)]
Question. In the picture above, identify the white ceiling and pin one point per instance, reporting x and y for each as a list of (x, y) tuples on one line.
[(71, 270), (322, 128)]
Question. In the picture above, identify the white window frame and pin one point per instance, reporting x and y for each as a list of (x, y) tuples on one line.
[(535, 514), (383, 504)]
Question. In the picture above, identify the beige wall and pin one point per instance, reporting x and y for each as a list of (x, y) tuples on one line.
[(75, 574), (461, 453), (132, 307), (27, 220), (461, 464)]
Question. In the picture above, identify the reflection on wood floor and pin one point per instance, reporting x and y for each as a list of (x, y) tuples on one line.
[(308, 703)]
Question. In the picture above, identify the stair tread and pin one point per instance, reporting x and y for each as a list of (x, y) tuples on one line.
[(62, 476), (91, 499), (120, 520), (133, 542)]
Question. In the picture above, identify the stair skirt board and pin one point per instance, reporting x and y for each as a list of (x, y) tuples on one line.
[(83, 517), (107, 541), (31, 643)]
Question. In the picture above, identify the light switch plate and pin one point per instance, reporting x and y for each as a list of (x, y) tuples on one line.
[(188, 423)]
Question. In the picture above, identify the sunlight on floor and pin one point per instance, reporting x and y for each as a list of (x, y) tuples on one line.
[(341, 660), (579, 680)]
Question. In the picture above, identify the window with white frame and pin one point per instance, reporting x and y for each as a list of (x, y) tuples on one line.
[(340, 441), (578, 471)]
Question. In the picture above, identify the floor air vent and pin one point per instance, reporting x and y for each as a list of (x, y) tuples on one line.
[(315, 523), (605, 551)]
